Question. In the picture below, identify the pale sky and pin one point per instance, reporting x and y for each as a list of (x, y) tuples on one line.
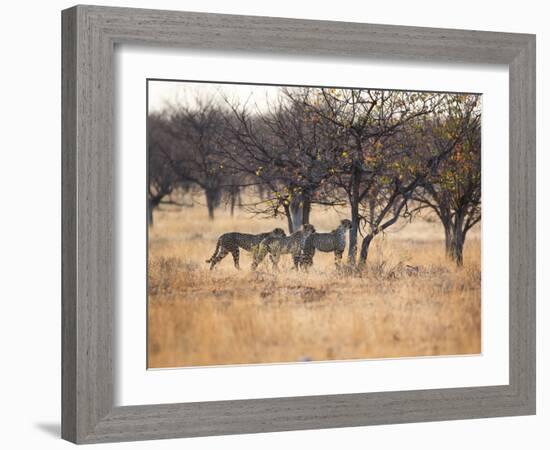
[(163, 93)]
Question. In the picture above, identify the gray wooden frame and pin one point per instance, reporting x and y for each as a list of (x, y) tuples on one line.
[(89, 37)]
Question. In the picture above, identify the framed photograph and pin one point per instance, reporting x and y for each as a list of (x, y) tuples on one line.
[(277, 224)]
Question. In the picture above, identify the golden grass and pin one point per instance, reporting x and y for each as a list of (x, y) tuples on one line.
[(410, 301)]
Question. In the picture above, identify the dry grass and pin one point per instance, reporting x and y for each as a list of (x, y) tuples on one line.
[(410, 301)]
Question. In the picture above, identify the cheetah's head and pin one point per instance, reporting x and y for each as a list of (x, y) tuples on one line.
[(346, 223), (278, 232), (308, 229)]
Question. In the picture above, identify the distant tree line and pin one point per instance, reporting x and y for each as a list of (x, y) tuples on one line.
[(381, 154)]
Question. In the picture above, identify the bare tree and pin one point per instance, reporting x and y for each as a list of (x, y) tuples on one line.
[(405, 167), (365, 119), (195, 154), (454, 191), (162, 178), (285, 149)]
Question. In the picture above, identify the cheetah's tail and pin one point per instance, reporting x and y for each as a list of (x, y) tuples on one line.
[(215, 252)]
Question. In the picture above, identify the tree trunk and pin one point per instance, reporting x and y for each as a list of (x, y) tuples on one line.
[(458, 247), (458, 239), (152, 204), (352, 251), (354, 203), (306, 210), (447, 226), (210, 210), (212, 200), (365, 249), (232, 206), (150, 213), (296, 212), (233, 201), (289, 219)]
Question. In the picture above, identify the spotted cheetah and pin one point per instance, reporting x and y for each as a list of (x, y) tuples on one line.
[(231, 242), (277, 246), (335, 241)]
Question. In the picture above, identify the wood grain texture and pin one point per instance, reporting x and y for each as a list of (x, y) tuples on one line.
[(89, 203), (88, 207), (68, 225), (523, 224)]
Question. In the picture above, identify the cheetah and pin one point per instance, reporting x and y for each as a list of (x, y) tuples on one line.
[(335, 241), (231, 242), (277, 246)]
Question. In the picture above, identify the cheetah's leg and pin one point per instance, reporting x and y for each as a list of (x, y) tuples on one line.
[(296, 258), (235, 254), (258, 256), (275, 260), (338, 258), (222, 254), (307, 258)]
